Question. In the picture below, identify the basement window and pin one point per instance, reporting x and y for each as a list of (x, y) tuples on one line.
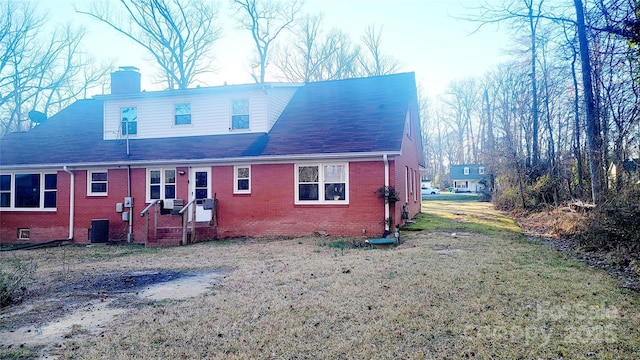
[(24, 234)]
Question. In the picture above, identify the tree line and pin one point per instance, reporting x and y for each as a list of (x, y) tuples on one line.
[(559, 120)]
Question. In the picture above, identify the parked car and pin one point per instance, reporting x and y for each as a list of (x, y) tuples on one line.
[(430, 191)]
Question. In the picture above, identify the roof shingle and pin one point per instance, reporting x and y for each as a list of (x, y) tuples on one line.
[(331, 117)]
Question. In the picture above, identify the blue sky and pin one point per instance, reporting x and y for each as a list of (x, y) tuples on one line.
[(422, 34)]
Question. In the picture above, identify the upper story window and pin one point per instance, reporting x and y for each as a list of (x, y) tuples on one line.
[(240, 115), (97, 182), (129, 118), (161, 184), (321, 183), (466, 171), (481, 170), (28, 191), (242, 179), (182, 114)]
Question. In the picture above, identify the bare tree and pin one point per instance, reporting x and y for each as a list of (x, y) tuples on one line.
[(373, 61), (178, 34), (313, 56), (462, 99), (265, 20), (594, 135), (39, 70)]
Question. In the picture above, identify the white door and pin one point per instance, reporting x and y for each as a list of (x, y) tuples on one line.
[(200, 187)]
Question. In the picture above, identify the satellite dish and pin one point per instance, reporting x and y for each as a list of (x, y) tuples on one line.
[(37, 116)]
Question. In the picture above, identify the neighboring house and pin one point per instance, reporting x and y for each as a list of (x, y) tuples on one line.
[(630, 172), (279, 159), (469, 177)]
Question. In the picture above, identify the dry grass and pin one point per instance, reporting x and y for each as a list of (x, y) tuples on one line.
[(485, 293)]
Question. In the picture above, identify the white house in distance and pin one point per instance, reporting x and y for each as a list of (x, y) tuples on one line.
[(469, 177)]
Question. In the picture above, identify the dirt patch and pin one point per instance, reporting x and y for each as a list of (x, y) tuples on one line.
[(85, 306)]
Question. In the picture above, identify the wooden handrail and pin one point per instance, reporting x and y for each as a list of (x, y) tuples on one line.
[(146, 210)]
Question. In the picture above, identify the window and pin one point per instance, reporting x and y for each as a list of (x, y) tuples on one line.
[(129, 116), (406, 184), (5, 190), (481, 170), (24, 234), (97, 182), (466, 171), (407, 125), (321, 183), (242, 179), (28, 191), (161, 184), (240, 115), (50, 190), (183, 114)]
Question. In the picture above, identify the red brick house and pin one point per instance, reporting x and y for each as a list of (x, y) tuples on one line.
[(279, 159)]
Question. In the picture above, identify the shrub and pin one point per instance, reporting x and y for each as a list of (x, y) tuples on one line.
[(14, 280), (615, 223)]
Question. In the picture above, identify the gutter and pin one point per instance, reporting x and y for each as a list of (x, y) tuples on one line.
[(387, 210), (72, 195), (218, 161)]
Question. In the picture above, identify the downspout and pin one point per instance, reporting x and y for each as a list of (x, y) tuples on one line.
[(387, 210), (72, 192), (130, 232)]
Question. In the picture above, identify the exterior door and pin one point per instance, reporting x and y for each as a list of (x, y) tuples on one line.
[(200, 187)]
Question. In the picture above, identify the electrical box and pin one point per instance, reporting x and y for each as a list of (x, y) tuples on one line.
[(119, 207), (125, 216), (128, 202)]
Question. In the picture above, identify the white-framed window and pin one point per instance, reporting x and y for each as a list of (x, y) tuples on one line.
[(322, 183), (27, 191), (97, 181), (182, 114), (406, 184), (408, 124), (129, 120), (481, 170), (242, 179), (161, 184), (240, 114), (24, 234), (466, 171), (5, 190)]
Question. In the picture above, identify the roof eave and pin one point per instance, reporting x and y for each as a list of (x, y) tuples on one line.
[(218, 161)]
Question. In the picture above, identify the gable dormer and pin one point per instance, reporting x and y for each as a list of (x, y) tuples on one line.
[(220, 110)]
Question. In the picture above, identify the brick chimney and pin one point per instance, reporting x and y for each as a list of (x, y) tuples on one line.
[(125, 81)]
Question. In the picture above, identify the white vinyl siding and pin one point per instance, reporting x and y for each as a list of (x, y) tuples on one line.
[(210, 113)]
